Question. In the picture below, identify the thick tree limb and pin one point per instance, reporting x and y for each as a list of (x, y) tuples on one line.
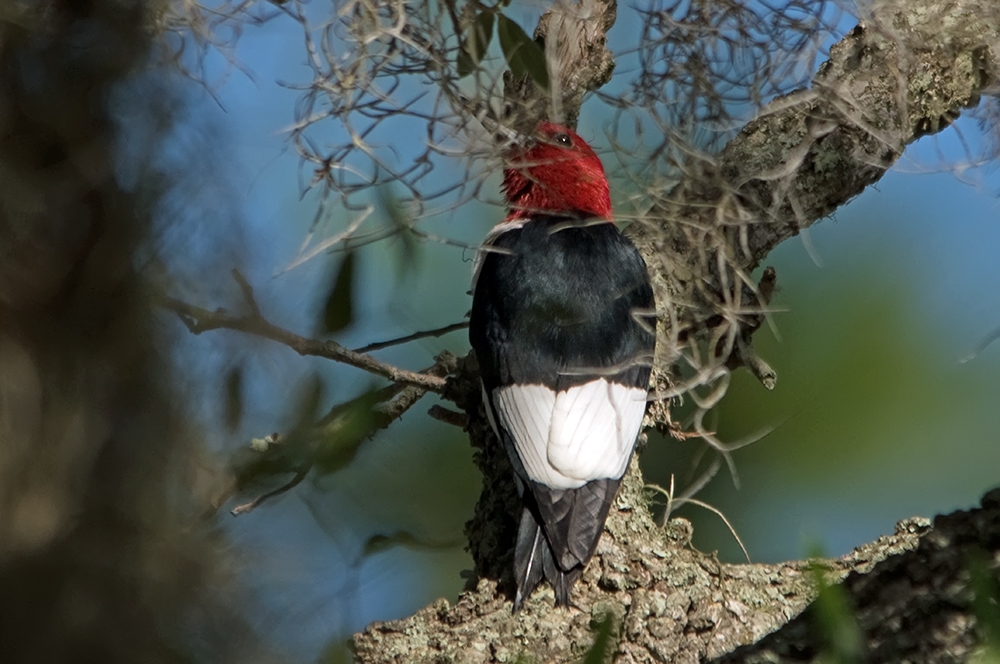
[(669, 602), (918, 606)]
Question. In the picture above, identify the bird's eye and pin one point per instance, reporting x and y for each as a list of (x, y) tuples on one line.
[(563, 139)]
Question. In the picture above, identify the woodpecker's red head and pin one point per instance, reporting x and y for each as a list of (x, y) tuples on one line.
[(557, 173)]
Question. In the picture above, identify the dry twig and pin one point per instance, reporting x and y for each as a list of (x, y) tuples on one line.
[(200, 320)]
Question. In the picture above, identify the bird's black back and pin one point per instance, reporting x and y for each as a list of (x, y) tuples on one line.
[(561, 302)]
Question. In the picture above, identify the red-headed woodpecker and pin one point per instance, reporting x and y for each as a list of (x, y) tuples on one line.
[(562, 325)]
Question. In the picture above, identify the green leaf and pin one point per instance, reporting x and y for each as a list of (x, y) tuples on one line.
[(985, 601), (409, 249), (338, 311), (598, 653), (523, 55), (832, 615), (379, 543), (344, 431), (474, 46), (234, 398)]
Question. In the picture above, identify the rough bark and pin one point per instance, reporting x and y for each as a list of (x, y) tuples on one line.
[(574, 36), (924, 605), (668, 602), (896, 77)]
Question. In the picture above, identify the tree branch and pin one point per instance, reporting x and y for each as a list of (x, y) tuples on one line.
[(574, 35), (272, 456), (200, 320), (441, 331), (669, 602), (918, 606)]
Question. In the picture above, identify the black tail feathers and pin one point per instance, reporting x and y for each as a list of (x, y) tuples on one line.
[(531, 553), (557, 536), (533, 561)]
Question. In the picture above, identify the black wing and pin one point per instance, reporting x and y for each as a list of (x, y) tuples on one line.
[(560, 304)]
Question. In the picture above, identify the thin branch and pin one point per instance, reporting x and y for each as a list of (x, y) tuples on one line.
[(200, 320), (676, 502), (441, 331), (983, 345), (448, 416), (256, 502), (394, 409), (392, 402)]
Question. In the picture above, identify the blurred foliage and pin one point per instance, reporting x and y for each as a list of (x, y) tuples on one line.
[(338, 311), (233, 398), (325, 444), (474, 43), (604, 646), (408, 253), (99, 559), (833, 619), (341, 437), (985, 583)]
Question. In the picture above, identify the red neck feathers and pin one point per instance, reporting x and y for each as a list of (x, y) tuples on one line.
[(558, 173)]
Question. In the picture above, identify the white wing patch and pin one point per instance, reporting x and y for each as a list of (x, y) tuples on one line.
[(566, 439), (525, 412)]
